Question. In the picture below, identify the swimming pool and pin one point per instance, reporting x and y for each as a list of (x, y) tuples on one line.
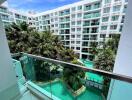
[(91, 76), (90, 94), (59, 90)]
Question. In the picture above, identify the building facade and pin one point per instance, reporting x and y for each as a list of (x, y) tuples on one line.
[(80, 25)]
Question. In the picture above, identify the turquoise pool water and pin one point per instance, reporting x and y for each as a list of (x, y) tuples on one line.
[(59, 90), (91, 76), (90, 94)]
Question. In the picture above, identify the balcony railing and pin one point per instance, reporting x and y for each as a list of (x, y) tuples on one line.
[(68, 81)]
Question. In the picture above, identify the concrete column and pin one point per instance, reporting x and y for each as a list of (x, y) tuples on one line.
[(120, 90), (8, 81)]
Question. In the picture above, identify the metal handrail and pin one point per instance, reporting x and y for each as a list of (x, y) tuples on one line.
[(92, 70)]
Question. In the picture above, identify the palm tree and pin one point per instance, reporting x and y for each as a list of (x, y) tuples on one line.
[(105, 59), (93, 50), (72, 76), (22, 38), (113, 43)]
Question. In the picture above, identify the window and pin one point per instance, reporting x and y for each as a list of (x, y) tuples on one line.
[(56, 19), (44, 27), (87, 7), (72, 47), (52, 20), (56, 31), (96, 14), (56, 25), (103, 27), (93, 37), (52, 26), (111, 35), (77, 42), (87, 15), (116, 0), (86, 37), (116, 8), (123, 18), (67, 31), (86, 30), (96, 5), (113, 27), (5, 17), (73, 29), (64, 12), (73, 23), (40, 27), (121, 28), (51, 14), (94, 30), (67, 43), (79, 8), (106, 10), (85, 44), (72, 36), (78, 22), (39, 17), (62, 37), (36, 18), (124, 10), (67, 37), (94, 22), (78, 29), (79, 15), (62, 32), (102, 35), (78, 48), (73, 8), (78, 36), (105, 19), (62, 25), (56, 13), (72, 42), (107, 1), (86, 23), (73, 16), (115, 18)]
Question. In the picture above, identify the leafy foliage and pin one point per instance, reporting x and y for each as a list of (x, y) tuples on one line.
[(23, 38), (72, 76), (105, 59), (105, 56)]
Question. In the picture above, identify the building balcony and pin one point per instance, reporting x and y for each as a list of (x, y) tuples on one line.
[(91, 16), (49, 79), (64, 21)]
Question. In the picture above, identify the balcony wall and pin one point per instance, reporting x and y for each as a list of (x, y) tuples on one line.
[(46, 74), (123, 65), (8, 84)]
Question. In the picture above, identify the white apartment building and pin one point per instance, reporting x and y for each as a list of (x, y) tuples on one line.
[(10, 15), (81, 24)]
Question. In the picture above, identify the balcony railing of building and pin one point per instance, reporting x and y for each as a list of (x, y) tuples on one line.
[(91, 15), (65, 80)]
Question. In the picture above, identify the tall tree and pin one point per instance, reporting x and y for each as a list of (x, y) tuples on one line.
[(22, 38), (105, 59)]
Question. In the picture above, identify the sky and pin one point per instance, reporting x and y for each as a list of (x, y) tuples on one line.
[(37, 5)]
